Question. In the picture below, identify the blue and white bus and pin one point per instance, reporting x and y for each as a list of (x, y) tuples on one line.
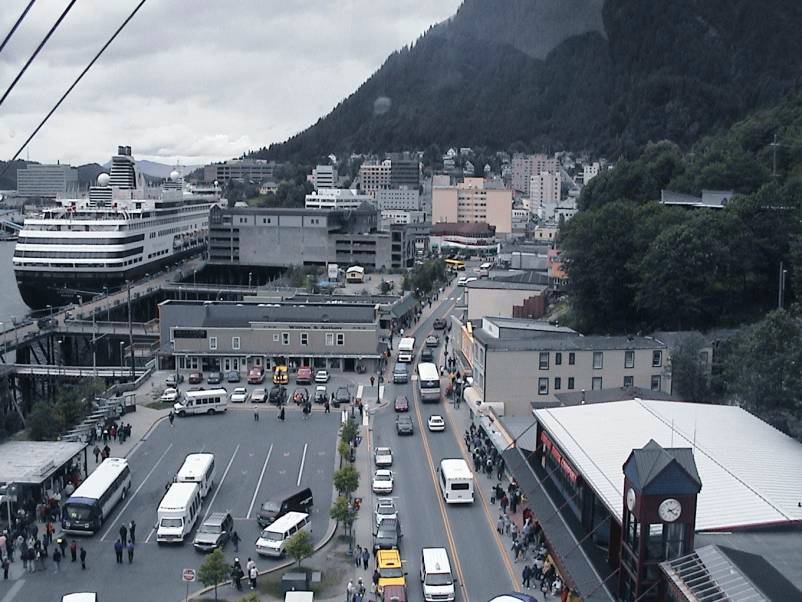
[(96, 497), (428, 382)]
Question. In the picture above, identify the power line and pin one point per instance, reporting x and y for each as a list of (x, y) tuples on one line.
[(38, 48), (75, 83), (14, 27)]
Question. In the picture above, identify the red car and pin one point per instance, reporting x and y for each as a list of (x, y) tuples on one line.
[(256, 376), (401, 404), (195, 378), (304, 375)]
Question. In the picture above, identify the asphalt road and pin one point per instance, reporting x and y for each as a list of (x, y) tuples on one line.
[(466, 531), (252, 461)]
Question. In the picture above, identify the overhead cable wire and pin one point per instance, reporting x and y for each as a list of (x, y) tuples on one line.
[(75, 83), (38, 48), (14, 27)]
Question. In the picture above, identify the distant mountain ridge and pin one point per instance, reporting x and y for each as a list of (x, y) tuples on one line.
[(605, 76)]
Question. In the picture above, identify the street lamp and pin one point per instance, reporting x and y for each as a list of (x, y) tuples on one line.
[(122, 355), (250, 276)]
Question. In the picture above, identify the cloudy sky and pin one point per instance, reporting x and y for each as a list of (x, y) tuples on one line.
[(192, 80)]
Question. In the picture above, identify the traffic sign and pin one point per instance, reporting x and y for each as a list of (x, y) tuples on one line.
[(188, 575)]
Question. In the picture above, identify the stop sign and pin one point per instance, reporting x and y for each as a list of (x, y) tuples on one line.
[(188, 574)]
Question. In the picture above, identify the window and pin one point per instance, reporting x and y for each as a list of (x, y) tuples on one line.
[(596, 383), (655, 382), (571, 358), (542, 386), (285, 338), (544, 360), (235, 342), (340, 339), (329, 339), (570, 382), (275, 337), (598, 360), (304, 338), (558, 383), (212, 343), (558, 359), (657, 358), (629, 359), (628, 382)]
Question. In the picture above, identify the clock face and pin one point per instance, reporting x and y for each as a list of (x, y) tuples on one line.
[(631, 499), (669, 510)]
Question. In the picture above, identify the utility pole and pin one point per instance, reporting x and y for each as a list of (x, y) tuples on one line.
[(94, 350), (131, 334), (781, 286), (774, 146)]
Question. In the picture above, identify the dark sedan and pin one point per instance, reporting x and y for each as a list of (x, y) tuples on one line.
[(341, 395), (403, 425)]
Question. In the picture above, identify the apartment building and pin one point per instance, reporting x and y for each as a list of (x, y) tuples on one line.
[(473, 239), (323, 176), (400, 199), (474, 201), (246, 170), (404, 171), (544, 188), (374, 176), (516, 362), (49, 181), (336, 198), (394, 216), (523, 167), (590, 171)]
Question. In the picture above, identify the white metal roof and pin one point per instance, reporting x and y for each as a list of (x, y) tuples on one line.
[(750, 471), (34, 461)]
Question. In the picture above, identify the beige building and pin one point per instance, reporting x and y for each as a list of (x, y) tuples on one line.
[(472, 202), (545, 188), (525, 166), (374, 177), (505, 299)]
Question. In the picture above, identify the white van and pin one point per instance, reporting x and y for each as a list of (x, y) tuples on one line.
[(178, 511), (435, 575), (274, 538), (203, 401), (406, 349), (456, 481), (198, 468)]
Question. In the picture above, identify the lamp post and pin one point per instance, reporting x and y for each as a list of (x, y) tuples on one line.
[(122, 355), (250, 276)]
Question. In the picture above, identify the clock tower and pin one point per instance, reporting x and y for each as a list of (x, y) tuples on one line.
[(661, 486)]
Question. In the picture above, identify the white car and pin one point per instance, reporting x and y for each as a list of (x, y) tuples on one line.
[(259, 396), (436, 423), (385, 508), (383, 456), (383, 481), (239, 395), (170, 395), (322, 376)]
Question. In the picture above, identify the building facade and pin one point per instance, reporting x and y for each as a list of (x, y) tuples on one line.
[(336, 198), (523, 167), (246, 170), (404, 172), (374, 176), (473, 202), (545, 188), (474, 239), (501, 299), (47, 181), (399, 199), (590, 171), (324, 176), (394, 216)]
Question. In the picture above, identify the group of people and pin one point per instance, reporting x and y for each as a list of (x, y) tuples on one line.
[(33, 550), (251, 572), (109, 433), (355, 592), (125, 542), (485, 456)]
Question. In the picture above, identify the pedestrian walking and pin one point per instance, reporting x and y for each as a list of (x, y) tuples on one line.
[(83, 558), (130, 547), (500, 524), (96, 451), (235, 540), (256, 416), (376, 577), (526, 575), (514, 499), (118, 551), (237, 575), (6, 565), (349, 592), (73, 551), (249, 565), (123, 534), (253, 573), (132, 531), (62, 543), (365, 558), (326, 407), (171, 418), (357, 555), (504, 502), (57, 559), (281, 415)]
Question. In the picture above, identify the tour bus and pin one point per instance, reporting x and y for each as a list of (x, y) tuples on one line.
[(274, 538), (93, 501), (203, 401), (456, 481), (178, 512), (406, 349), (455, 265), (198, 468), (428, 382)]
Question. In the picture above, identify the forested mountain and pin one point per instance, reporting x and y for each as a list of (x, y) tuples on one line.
[(600, 75)]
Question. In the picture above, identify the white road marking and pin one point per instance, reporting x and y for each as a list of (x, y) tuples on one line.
[(12, 593), (152, 531), (303, 460), (131, 498), (220, 484), (259, 484)]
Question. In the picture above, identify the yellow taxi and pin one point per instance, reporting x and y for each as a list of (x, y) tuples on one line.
[(391, 572)]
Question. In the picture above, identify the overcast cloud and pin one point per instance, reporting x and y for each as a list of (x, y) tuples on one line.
[(193, 80)]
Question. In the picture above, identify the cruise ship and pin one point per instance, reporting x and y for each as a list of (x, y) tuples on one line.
[(122, 230)]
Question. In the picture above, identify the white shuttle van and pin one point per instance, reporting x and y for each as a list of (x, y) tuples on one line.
[(406, 349), (456, 481), (435, 575), (198, 468), (274, 538), (178, 512), (202, 401)]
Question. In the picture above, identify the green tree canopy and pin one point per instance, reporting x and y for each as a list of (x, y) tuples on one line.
[(690, 371), (346, 480), (299, 546), (214, 570)]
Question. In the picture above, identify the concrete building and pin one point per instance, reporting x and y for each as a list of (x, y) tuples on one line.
[(520, 219), (246, 170), (473, 239), (47, 181), (518, 362), (404, 171), (544, 188), (402, 199), (324, 176), (374, 176), (336, 198), (394, 216), (505, 299), (472, 202), (546, 232), (523, 167), (239, 336), (590, 171), (277, 237), (710, 199)]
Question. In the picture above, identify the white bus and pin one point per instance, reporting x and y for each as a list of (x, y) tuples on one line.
[(456, 481), (93, 501), (178, 511), (428, 382), (198, 468), (406, 349), (202, 401), (274, 538)]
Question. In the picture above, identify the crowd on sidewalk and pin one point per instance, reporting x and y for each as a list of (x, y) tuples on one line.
[(35, 551)]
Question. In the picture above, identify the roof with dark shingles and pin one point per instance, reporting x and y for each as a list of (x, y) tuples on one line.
[(229, 315)]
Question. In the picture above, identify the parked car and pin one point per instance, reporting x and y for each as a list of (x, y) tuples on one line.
[(341, 395), (387, 534), (432, 340), (278, 395), (214, 532), (383, 457), (239, 395), (385, 508), (170, 394), (296, 500), (301, 395), (439, 324), (436, 423), (214, 378), (321, 394), (256, 375), (403, 425), (322, 376), (259, 395), (401, 404), (233, 376), (383, 481), (173, 379), (304, 376), (195, 378), (426, 355)]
